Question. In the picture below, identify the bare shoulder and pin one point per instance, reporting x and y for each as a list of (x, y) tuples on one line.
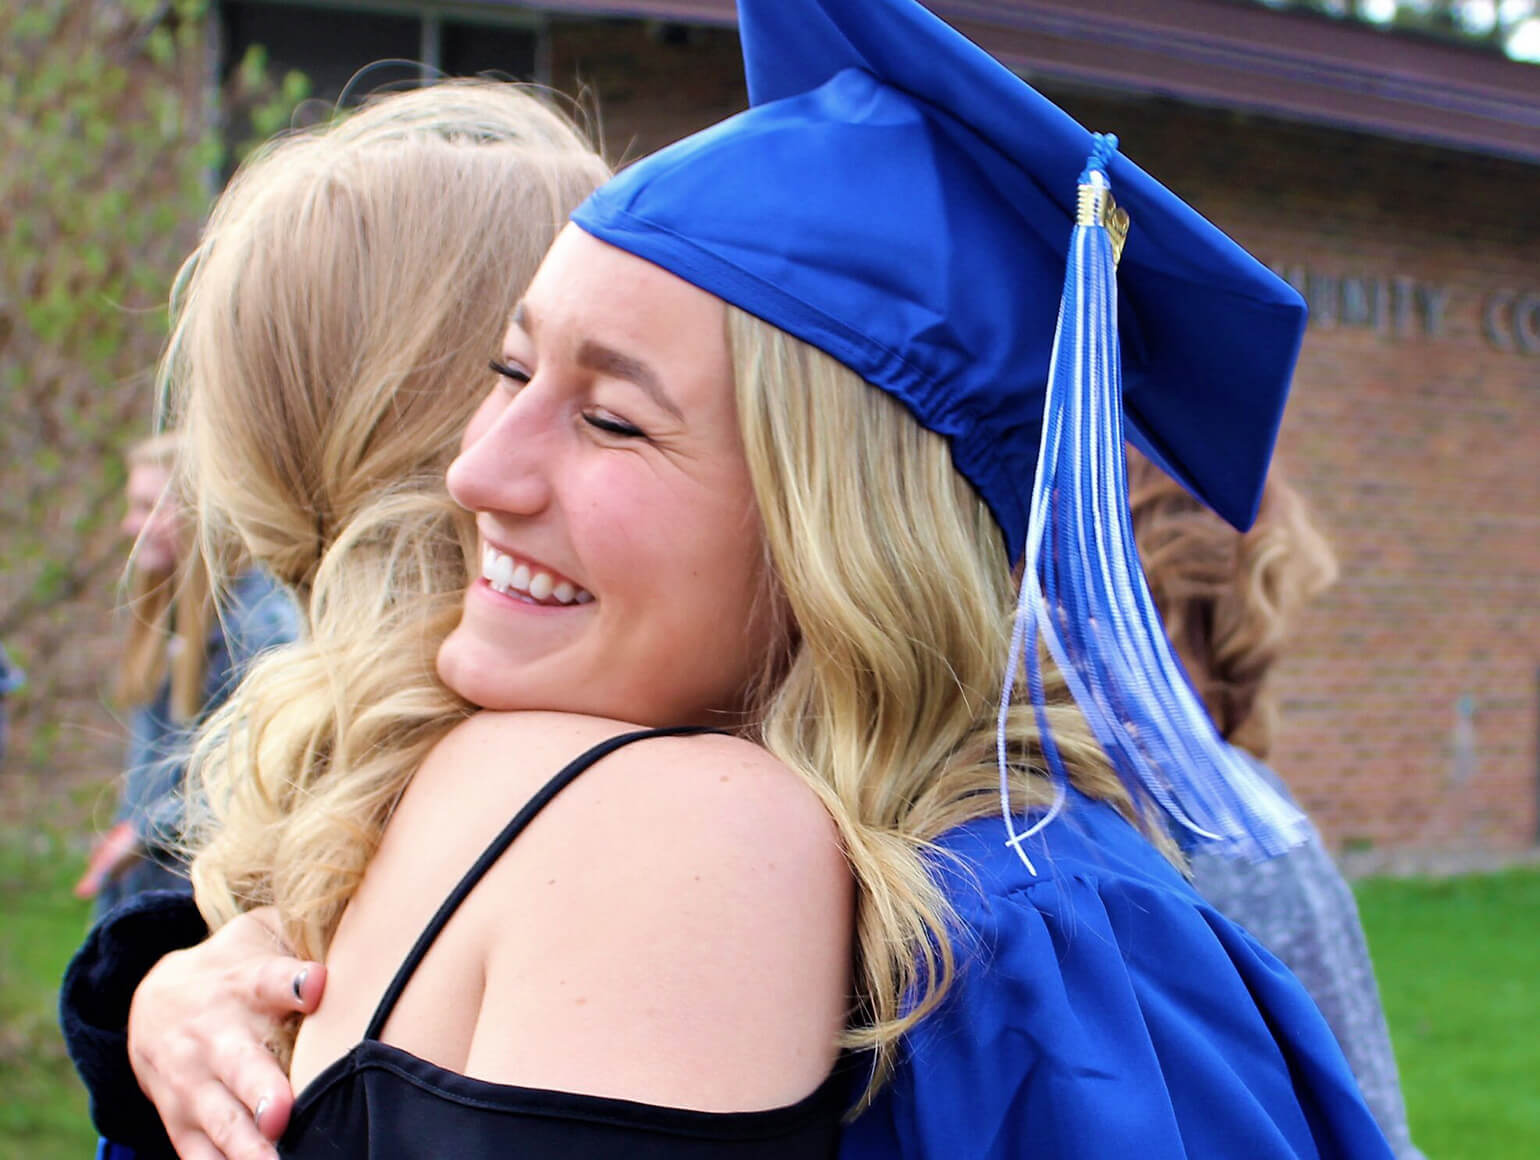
[(495, 741), (715, 789), (683, 933), (703, 823)]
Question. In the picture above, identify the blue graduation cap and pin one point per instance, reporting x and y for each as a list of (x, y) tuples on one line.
[(899, 199)]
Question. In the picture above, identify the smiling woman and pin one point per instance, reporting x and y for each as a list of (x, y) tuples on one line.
[(609, 417)]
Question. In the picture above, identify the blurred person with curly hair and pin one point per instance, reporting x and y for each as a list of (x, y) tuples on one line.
[(1229, 600)]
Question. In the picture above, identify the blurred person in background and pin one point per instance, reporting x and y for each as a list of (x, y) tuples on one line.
[(1228, 601), (167, 684)]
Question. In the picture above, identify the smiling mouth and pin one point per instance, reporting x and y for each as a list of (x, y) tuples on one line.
[(512, 577)]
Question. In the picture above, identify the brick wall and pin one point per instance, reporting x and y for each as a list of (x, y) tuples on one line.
[(1410, 696)]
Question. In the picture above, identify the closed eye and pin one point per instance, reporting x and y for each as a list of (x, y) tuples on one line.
[(511, 373), (614, 426)]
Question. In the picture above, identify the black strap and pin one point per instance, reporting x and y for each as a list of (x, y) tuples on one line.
[(499, 845)]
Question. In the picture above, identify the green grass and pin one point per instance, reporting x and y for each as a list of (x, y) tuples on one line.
[(1459, 968), (1457, 962), (42, 1105)]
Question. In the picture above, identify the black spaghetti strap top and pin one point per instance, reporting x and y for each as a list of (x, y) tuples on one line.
[(382, 1103)]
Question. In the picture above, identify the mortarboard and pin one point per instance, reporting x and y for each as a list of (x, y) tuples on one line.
[(899, 199)]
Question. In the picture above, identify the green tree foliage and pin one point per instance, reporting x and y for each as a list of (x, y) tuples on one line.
[(112, 152)]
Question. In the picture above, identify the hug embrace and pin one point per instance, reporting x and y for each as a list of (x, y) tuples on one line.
[(803, 770)]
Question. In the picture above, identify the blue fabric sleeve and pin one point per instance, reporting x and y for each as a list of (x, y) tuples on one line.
[(1109, 1018), (94, 999)]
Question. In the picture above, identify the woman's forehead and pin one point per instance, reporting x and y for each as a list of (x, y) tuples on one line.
[(578, 259), (589, 294)]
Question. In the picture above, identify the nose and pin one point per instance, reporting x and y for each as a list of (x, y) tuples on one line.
[(505, 460)]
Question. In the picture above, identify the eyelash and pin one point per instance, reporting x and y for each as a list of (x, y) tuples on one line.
[(612, 426), (503, 370)]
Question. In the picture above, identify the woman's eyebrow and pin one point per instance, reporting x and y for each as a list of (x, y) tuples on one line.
[(597, 357)]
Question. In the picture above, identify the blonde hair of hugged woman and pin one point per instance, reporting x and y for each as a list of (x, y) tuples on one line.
[(330, 342)]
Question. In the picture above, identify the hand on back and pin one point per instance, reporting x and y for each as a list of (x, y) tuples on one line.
[(197, 1034)]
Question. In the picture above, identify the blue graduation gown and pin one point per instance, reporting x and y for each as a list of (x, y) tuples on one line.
[(1103, 1009)]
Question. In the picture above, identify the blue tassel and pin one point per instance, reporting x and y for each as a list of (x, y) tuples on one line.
[(1084, 593)]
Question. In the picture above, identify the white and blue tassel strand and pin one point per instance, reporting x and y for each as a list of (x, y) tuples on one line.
[(1084, 593)]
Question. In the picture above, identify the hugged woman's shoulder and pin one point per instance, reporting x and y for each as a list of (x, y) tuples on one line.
[(674, 927)]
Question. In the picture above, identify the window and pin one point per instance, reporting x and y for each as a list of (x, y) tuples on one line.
[(333, 46)]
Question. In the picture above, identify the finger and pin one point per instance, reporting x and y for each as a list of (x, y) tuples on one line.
[(193, 1145), (309, 986), (252, 1075), (229, 1125), (285, 984), (272, 1118)]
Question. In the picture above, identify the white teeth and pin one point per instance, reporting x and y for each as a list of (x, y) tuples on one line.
[(504, 575), (501, 576)]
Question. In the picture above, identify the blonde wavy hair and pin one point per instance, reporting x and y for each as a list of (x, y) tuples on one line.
[(164, 607), (1228, 599), (330, 343), (885, 697)]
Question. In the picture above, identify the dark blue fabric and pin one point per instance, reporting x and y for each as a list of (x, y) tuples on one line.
[(94, 998), (380, 1102), (1104, 1010), (902, 201)]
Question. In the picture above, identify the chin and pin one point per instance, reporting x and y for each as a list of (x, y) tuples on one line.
[(489, 678), (472, 677)]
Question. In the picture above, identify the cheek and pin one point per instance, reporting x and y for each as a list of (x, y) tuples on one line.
[(679, 546), (687, 568)]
